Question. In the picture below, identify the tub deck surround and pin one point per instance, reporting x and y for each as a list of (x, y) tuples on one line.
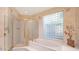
[(55, 46), (34, 46), (43, 45)]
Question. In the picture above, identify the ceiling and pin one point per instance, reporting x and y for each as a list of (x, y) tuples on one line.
[(31, 10)]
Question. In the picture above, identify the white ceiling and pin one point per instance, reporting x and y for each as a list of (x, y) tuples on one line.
[(31, 10)]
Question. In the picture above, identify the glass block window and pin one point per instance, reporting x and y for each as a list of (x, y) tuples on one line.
[(53, 26)]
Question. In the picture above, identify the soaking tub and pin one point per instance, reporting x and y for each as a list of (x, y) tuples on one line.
[(46, 45)]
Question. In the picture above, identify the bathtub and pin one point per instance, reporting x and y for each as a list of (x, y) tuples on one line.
[(46, 45), (33, 47), (50, 45), (41, 45)]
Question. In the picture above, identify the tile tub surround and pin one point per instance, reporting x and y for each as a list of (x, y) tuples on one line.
[(41, 45), (54, 45), (36, 47)]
